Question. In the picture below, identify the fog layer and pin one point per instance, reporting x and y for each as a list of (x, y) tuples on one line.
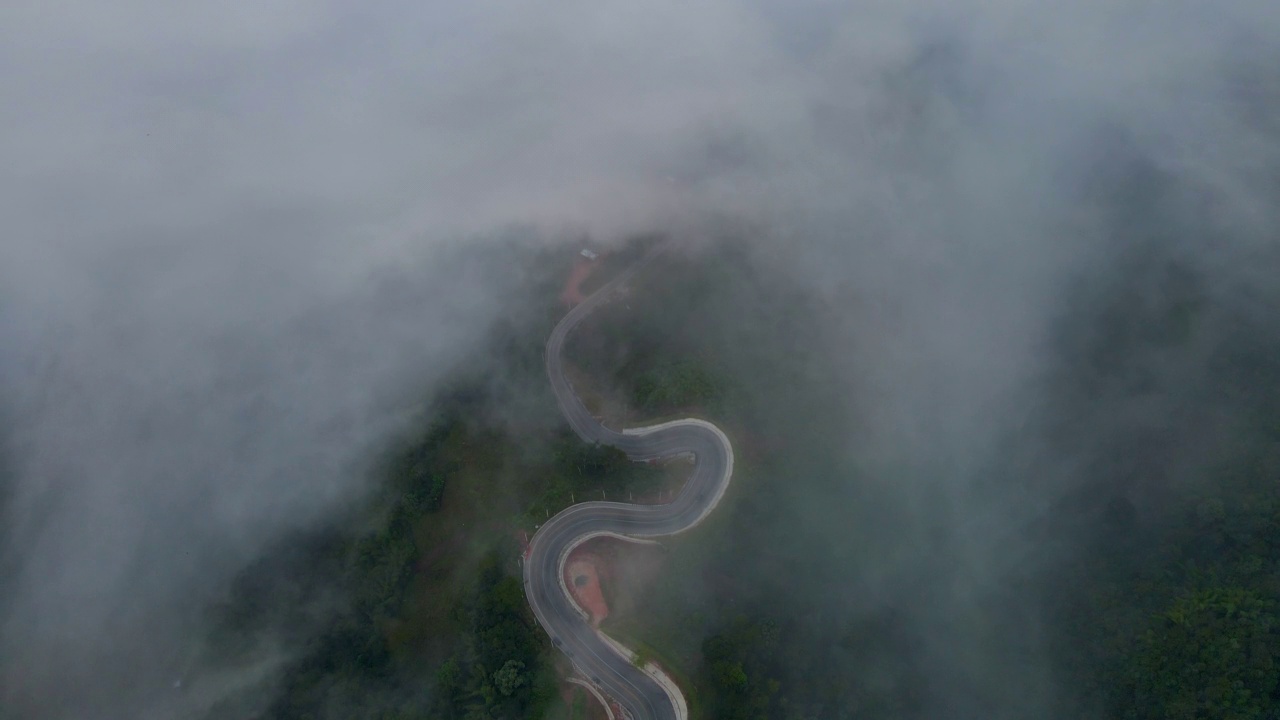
[(241, 243)]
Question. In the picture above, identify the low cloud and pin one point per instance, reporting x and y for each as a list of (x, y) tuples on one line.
[(234, 237)]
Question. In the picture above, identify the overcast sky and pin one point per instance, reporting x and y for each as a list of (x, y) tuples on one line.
[(233, 233)]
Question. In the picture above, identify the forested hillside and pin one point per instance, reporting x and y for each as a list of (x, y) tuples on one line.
[(1145, 587)]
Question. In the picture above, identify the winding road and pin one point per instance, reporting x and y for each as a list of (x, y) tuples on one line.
[(644, 693)]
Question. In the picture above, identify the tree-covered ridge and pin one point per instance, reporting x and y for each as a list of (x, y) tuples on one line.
[(739, 670), (1187, 624), (424, 616), (1152, 574), (502, 669), (1149, 576), (1173, 604)]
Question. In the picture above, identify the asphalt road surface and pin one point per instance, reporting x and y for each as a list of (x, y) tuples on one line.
[(642, 695)]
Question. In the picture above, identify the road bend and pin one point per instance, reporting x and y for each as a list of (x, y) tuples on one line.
[(644, 693)]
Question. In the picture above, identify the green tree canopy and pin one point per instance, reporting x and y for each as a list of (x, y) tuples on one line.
[(1214, 655)]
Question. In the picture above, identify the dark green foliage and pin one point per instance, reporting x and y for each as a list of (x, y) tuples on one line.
[(578, 471), (738, 668), (419, 472), (670, 385), (1213, 654), (503, 671), (499, 662), (382, 569), (1184, 624), (1171, 613), (339, 592), (278, 593)]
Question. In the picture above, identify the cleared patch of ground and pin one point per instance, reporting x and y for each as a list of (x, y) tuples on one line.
[(625, 570), (582, 269), (582, 575)]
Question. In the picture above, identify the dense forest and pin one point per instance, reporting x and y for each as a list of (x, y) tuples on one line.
[(1148, 587), (410, 605), (1152, 578)]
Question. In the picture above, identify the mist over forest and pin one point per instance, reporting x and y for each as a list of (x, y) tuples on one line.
[(984, 294)]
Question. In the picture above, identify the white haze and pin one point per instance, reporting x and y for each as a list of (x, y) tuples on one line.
[(235, 234)]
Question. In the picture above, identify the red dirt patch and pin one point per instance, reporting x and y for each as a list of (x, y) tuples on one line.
[(582, 575), (626, 571), (582, 267)]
